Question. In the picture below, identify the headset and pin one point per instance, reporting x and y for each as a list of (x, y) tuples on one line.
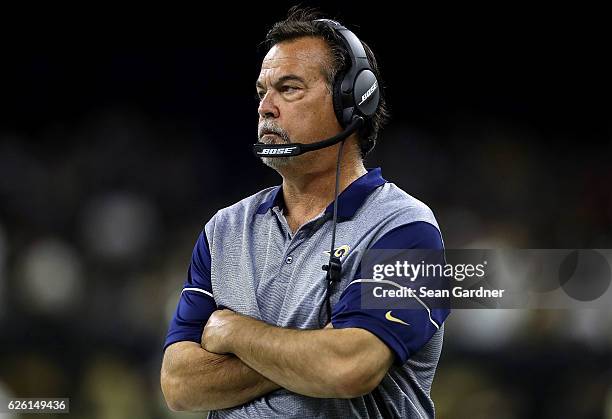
[(355, 91), (356, 96)]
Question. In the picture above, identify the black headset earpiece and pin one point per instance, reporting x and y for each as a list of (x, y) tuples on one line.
[(356, 91)]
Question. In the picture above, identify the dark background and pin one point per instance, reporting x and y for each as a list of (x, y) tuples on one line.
[(121, 134)]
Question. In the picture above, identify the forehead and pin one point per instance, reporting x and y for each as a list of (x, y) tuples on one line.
[(306, 56)]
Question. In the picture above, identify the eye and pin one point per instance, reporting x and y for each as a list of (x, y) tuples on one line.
[(260, 94), (289, 89)]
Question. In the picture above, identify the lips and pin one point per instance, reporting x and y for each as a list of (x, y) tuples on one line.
[(270, 138)]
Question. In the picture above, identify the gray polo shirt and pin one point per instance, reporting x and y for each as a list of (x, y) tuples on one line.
[(248, 260)]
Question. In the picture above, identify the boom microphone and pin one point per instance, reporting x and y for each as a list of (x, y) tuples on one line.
[(294, 149)]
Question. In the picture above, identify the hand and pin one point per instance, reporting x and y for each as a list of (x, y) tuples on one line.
[(218, 331)]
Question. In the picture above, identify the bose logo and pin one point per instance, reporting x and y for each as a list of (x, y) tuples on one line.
[(286, 150), (367, 94)]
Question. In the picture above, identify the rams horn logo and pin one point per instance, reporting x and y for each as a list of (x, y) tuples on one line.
[(340, 251)]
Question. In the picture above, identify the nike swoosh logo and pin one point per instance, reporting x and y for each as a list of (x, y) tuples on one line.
[(391, 318)]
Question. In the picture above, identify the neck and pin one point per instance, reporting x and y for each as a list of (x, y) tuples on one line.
[(307, 194)]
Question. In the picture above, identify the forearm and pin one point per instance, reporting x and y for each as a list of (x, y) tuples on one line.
[(194, 379), (317, 363)]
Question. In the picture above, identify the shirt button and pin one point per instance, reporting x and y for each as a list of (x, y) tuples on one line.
[(289, 260)]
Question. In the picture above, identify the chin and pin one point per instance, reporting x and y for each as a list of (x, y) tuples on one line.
[(278, 162)]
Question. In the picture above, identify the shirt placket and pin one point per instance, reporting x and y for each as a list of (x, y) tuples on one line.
[(292, 243)]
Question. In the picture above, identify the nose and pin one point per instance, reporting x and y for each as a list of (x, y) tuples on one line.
[(267, 106)]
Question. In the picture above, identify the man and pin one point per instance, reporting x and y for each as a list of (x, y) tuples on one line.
[(251, 336)]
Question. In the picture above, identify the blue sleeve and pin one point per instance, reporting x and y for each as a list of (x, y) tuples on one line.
[(196, 302), (416, 324)]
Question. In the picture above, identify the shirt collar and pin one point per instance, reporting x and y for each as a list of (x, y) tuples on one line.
[(349, 199)]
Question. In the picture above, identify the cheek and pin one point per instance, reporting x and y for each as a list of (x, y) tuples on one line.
[(310, 118), (328, 113), (318, 115), (314, 125)]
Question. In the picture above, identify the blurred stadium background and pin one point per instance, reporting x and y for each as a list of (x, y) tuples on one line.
[(118, 141)]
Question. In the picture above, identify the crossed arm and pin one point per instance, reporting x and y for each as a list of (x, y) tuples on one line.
[(193, 379), (242, 358)]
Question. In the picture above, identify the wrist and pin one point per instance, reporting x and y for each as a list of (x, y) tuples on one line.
[(236, 331), (243, 331)]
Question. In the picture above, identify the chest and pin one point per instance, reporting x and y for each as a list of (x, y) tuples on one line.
[(276, 276)]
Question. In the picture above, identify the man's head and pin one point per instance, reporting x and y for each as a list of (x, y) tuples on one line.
[(295, 88)]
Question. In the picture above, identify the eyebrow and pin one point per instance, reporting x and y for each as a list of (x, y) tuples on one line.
[(288, 77)]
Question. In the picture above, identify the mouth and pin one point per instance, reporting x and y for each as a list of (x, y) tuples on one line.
[(270, 138)]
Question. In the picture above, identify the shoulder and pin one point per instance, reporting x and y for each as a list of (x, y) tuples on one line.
[(250, 204), (243, 209), (391, 203)]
